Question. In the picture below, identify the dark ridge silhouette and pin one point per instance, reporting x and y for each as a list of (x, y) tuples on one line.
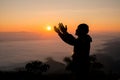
[(55, 66), (37, 70), (36, 67)]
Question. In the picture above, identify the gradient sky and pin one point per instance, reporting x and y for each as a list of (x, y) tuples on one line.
[(35, 15)]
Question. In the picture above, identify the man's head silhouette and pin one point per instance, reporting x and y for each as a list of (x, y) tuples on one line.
[(82, 29)]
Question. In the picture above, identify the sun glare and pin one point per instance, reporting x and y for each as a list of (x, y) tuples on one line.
[(48, 28)]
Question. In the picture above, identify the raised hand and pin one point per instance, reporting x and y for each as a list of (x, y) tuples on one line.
[(62, 28)]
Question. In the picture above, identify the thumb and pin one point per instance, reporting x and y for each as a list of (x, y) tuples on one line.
[(66, 27)]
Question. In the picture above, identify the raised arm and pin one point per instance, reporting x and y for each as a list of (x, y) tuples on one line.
[(64, 35)]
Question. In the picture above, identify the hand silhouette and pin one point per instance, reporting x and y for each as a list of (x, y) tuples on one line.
[(62, 28), (56, 29)]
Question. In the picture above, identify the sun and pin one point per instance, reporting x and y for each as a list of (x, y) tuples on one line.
[(48, 28)]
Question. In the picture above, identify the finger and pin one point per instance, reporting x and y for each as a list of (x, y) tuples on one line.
[(55, 27), (61, 24), (65, 26)]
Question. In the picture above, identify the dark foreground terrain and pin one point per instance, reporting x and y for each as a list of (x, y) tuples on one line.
[(24, 75)]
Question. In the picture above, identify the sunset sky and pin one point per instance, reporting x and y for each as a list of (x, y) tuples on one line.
[(36, 15)]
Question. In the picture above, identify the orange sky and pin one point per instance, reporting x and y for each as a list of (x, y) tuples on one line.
[(35, 15)]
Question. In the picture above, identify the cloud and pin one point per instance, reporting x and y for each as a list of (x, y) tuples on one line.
[(13, 36), (110, 55)]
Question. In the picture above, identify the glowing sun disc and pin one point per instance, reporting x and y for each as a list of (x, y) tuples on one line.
[(48, 28)]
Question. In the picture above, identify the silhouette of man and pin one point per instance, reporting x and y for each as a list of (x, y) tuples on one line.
[(80, 57)]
